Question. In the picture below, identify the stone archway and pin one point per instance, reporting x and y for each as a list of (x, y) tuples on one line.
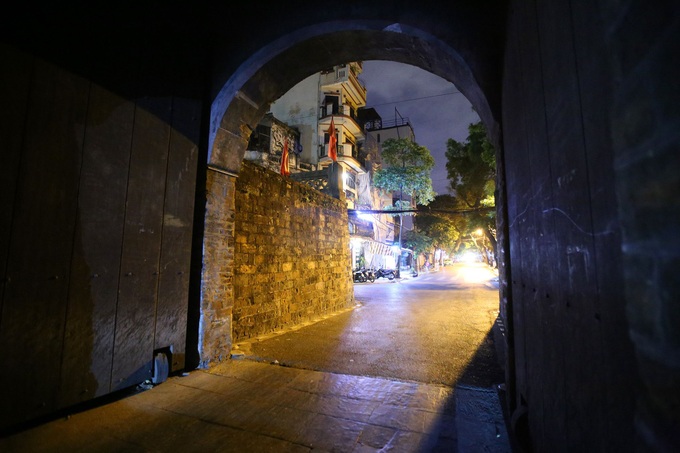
[(245, 98), (589, 131)]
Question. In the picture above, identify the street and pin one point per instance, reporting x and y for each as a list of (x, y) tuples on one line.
[(410, 369), (434, 328)]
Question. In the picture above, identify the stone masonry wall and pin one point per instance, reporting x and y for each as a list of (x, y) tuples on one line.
[(217, 279), (291, 256)]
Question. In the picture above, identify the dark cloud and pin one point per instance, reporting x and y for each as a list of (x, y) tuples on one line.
[(435, 108)]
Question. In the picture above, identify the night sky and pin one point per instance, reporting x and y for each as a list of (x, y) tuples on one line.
[(435, 108)]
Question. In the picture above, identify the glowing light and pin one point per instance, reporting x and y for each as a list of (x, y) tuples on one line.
[(476, 274), (356, 242), (363, 216), (470, 257)]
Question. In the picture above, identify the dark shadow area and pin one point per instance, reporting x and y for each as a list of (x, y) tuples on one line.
[(482, 422), (193, 356), (66, 413), (484, 369)]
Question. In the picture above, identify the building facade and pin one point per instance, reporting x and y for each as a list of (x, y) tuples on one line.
[(334, 94), (337, 96), (377, 131), (267, 143)]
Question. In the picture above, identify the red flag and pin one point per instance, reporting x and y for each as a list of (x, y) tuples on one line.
[(284, 160), (332, 142)]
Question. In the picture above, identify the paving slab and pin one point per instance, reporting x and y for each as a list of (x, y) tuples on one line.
[(247, 406)]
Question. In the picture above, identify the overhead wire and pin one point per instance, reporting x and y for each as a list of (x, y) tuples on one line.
[(417, 99), (396, 102)]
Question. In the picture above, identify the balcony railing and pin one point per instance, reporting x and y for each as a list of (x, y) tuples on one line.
[(385, 124), (344, 150), (332, 109), (326, 181)]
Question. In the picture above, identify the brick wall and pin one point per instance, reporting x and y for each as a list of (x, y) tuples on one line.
[(291, 255)]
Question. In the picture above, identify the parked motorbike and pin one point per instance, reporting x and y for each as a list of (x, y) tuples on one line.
[(385, 273), (363, 275)]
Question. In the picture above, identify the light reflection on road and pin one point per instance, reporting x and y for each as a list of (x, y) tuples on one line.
[(430, 329), (450, 277)]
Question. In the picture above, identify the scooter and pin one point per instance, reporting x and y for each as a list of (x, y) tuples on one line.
[(363, 275), (386, 273)]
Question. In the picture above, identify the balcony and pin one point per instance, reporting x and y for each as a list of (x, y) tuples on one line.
[(345, 78), (343, 117), (347, 153)]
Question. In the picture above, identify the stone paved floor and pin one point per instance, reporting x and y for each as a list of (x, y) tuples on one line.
[(243, 406)]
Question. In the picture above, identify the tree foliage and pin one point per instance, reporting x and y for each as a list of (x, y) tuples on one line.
[(406, 169), (471, 169), (446, 230), (418, 242)]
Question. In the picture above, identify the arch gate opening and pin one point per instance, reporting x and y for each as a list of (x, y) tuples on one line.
[(246, 97)]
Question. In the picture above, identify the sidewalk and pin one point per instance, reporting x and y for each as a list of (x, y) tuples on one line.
[(243, 406)]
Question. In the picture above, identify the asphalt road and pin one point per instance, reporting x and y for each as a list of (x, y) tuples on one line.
[(435, 328)]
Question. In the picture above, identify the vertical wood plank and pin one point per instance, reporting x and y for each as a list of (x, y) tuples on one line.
[(573, 227), (178, 214), (135, 315), (544, 287), (15, 77), (88, 347), (35, 298), (515, 157), (618, 364)]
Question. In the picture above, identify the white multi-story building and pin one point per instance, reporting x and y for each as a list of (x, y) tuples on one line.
[(310, 105)]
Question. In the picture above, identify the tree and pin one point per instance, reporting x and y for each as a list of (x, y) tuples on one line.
[(406, 171), (445, 230), (471, 168), (444, 223), (418, 242)]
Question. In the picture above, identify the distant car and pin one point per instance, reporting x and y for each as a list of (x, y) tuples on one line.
[(448, 262)]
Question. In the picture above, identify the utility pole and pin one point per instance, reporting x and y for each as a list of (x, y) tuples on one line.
[(401, 223), (401, 226)]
